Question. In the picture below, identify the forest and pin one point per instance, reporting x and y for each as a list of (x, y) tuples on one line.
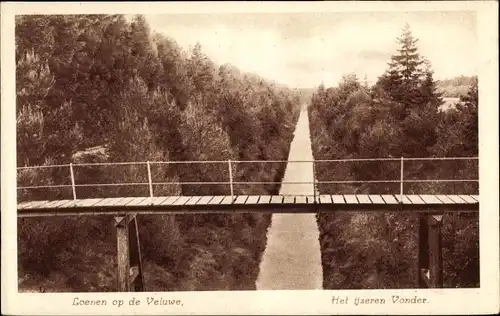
[(455, 87), (103, 88), (397, 116)]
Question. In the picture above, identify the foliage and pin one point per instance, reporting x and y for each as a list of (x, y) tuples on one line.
[(398, 116), (106, 82), (455, 87)]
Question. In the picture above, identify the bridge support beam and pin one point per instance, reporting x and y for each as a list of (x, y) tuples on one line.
[(430, 259), (435, 251), (423, 251), (129, 262)]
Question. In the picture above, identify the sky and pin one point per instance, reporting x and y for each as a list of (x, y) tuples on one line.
[(302, 50)]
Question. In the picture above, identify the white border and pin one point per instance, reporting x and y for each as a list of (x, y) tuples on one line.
[(446, 301)]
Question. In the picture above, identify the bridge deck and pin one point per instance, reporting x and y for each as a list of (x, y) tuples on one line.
[(252, 203)]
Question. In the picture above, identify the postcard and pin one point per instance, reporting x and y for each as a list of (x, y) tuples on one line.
[(250, 158)]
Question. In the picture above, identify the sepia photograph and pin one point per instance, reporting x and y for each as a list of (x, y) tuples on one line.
[(247, 152)]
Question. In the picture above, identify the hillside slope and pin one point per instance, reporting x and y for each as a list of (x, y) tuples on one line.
[(101, 81)]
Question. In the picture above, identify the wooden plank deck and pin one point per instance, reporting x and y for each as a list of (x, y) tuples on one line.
[(253, 203)]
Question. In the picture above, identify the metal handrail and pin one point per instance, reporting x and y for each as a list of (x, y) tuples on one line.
[(238, 183), (244, 161), (231, 181)]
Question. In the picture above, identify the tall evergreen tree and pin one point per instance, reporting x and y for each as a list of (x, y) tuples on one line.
[(402, 79), (408, 60), (428, 89), (201, 69), (469, 107), (366, 84)]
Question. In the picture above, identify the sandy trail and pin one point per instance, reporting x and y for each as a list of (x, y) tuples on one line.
[(292, 259)]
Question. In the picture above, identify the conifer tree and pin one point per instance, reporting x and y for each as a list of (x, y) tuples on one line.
[(401, 81), (408, 60), (366, 85), (321, 88), (428, 89), (349, 84), (201, 69), (108, 81)]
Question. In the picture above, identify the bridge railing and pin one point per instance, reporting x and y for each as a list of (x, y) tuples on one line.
[(231, 182), (402, 175), (129, 267)]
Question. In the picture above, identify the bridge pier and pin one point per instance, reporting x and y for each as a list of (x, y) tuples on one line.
[(430, 259), (129, 262)]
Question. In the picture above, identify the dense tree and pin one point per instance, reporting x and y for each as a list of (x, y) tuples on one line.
[(111, 83), (404, 73), (399, 116), (455, 87)]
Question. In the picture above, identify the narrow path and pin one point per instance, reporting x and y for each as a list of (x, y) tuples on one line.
[(292, 259)]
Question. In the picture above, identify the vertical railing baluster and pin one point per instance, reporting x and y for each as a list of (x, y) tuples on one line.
[(149, 180), (72, 180), (314, 180), (401, 181), (229, 166)]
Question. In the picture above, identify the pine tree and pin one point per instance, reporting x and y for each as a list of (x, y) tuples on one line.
[(468, 107), (321, 88), (144, 52), (349, 84), (366, 84), (408, 60), (319, 96), (429, 95), (201, 69), (409, 91), (402, 78)]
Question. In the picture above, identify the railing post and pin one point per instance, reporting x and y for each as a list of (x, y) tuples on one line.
[(454, 183), (229, 166), (72, 180), (149, 180), (314, 180), (401, 179)]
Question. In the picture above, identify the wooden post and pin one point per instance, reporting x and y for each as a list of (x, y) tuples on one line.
[(123, 254), (423, 252), (149, 180), (72, 175), (129, 270), (136, 272), (401, 179), (230, 168), (435, 251), (314, 181)]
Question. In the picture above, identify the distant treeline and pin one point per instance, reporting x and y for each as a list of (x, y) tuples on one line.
[(396, 117), (102, 80), (455, 87)]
